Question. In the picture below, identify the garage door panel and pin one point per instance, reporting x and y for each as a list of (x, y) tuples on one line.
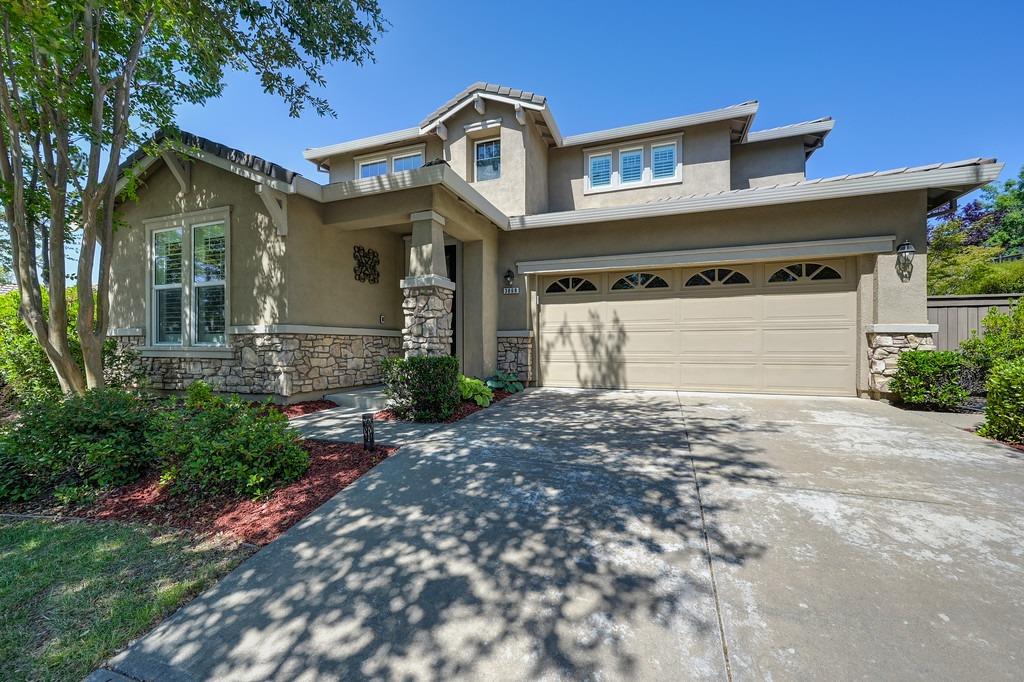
[(804, 342), (771, 338), (719, 341)]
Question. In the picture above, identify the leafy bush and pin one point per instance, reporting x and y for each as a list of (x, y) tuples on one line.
[(505, 382), (1003, 339), (475, 390), (423, 388), (23, 363), (208, 444), (930, 378), (81, 443), (1004, 411)]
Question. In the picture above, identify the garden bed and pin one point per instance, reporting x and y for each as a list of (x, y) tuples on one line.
[(332, 467), (300, 409), (463, 410)]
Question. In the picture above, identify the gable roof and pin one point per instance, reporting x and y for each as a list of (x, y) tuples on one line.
[(481, 86), (236, 156)]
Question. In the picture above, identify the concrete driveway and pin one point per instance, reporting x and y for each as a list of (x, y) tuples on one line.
[(626, 535)]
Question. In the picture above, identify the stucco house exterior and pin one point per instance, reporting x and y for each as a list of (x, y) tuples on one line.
[(686, 253)]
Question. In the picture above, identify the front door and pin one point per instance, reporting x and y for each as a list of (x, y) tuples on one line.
[(450, 264)]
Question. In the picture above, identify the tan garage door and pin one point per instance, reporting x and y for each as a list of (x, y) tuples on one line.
[(764, 328)]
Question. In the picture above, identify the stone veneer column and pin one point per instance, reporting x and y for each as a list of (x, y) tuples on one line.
[(427, 306), (886, 342)]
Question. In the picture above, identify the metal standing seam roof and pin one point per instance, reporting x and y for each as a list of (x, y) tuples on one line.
[(481, 86)]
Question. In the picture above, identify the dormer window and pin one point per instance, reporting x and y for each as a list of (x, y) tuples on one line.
[(488, 160)]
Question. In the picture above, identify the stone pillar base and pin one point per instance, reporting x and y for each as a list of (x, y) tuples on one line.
[(886, 342), (428, 315), (515, 355)]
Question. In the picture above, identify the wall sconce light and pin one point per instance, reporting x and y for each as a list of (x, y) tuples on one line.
[(905, 253), (905, 261), (509, 278)]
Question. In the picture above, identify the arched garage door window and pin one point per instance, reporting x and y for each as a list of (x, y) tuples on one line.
[(802, 272), (717, 276), (639, 280), (569, 285)]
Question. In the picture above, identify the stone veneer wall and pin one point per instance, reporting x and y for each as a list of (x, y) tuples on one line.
[(884, 353), (515, 356), (428, 320), (284, 364)]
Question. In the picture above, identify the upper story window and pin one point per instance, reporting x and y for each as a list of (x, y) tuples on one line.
[(635, 164), (663, 161), (631, 165), (394, 161), (601, 170), (488, 160), (189, 263)]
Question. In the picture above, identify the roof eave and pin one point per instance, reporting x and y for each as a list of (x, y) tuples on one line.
[(744, 112)]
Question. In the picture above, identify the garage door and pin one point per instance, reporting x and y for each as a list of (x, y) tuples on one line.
[(763, 328)]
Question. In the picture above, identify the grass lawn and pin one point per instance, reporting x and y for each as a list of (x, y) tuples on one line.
[(74, 593)]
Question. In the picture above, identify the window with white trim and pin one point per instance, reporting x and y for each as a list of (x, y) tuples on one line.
[(487, 155), (407, 162), (631, 166), (369, 169), (189, 274), (635, 164), (601, 170), (663, 161)]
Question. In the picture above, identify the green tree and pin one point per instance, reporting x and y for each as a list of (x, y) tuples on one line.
[(82, 80), (1006, 206)]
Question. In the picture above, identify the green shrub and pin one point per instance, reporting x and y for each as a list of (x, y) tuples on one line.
[(423, 388), (505, 382), (1004, 411), (930, 378), (84, 442), (475, 390), (208, 444), (23, 364), (1002, 341)]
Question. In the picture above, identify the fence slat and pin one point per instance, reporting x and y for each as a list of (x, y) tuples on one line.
[(958, 316)]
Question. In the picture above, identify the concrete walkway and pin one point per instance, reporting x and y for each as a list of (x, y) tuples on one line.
[(622, 535)]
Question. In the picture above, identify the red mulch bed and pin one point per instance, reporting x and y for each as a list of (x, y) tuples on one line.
[(464, 409), (332, 466), (299, 409)]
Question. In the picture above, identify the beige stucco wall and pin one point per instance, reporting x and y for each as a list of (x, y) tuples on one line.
[(304, 278), (705, 157), (898, 214), (772, 162)]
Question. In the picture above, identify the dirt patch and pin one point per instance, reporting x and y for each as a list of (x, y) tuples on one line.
[(332, 467), (463, 410)]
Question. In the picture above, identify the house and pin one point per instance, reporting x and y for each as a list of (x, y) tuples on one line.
[(685, 253)]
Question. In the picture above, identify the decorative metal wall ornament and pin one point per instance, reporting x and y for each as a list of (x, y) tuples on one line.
[(367, 265)]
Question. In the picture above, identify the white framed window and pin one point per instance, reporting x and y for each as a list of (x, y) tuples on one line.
[(391, 161), (369, 169), (631, 166), (663, 161), (188, 274), (600, 170), (167, 286), (635, 164), (407, 162), (487, 159)]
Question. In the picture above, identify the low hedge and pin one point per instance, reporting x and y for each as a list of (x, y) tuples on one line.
[(74, 445), (423, 388), (1004, 411), (932, 379)]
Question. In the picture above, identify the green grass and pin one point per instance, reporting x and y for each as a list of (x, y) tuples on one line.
[(73, 593)]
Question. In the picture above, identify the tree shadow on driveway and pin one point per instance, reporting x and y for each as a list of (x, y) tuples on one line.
[(558, 534)]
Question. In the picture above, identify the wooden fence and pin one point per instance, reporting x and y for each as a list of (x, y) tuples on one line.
[(958, 316)]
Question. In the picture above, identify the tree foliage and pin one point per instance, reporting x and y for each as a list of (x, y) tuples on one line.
[(81, 81), (962, 247)]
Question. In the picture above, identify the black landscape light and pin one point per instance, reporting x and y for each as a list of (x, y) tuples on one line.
[(368, 431)]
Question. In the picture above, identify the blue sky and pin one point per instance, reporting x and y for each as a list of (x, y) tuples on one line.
[(907, 82)]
